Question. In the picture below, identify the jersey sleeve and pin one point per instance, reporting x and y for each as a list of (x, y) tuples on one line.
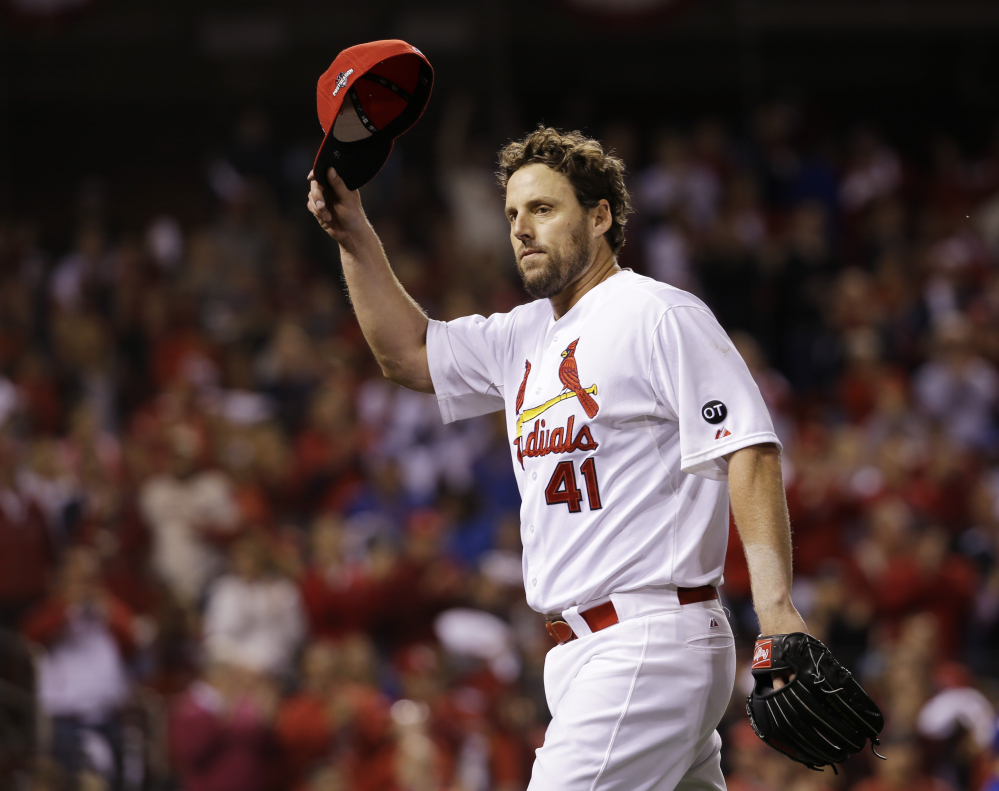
[(465, 358), (701, 381)]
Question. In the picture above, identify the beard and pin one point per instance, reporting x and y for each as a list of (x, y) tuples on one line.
[(562, 267)]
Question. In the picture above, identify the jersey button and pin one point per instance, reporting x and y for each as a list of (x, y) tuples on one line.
[(534, 476), (538, 390), (532, 528), (534, 582)]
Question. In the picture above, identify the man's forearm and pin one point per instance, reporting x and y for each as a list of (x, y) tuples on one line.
[(756, 492), (394, 325)]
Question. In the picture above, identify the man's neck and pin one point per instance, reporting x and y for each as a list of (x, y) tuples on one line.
[(603, 267)]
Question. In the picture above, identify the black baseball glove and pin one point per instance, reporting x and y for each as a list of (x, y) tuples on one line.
[(823, 716)]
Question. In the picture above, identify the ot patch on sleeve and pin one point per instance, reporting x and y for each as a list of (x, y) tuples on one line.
[(714, 412)]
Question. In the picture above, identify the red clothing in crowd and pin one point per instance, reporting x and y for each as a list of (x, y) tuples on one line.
[(26, 553), (947, 592), (371, 759), (509, 759), (942, 499), (336, 606), (216, 750), (818, 512), (46, 623), (40, 398), (127, 574), (917, 784), (411, 597), (306, 735), (175, 356)]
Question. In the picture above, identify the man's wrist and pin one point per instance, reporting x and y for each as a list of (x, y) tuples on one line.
[(782, 620), (360, 240), (776, 603)]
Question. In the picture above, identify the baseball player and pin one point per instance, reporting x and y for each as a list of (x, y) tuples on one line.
[(633, 424)]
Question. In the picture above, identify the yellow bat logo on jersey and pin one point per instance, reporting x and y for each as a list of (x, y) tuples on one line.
[(529, 414)]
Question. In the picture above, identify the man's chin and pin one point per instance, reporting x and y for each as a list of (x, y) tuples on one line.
[(541, 287)]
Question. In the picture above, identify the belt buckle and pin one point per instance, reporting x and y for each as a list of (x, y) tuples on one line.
[(560, 631)]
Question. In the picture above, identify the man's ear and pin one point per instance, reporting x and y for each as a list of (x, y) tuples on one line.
[(603, 219)]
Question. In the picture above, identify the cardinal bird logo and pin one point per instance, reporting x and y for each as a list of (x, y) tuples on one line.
[(569, 376), (523, 386)]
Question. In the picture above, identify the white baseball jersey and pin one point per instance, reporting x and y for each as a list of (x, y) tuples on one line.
[(618, 414)]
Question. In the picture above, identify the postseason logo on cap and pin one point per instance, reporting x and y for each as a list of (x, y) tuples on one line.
[(341, 80), (370, 95)]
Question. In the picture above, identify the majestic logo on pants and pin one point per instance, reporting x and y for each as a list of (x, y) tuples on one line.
[(542, 441)]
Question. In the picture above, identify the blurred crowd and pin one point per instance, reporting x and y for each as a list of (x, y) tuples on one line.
[(233, 556)]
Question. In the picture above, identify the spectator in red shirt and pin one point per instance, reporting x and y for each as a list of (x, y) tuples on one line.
[(371, 757), (307, 722), (421, 583), (326, 447), (908, 572), (220, 731), (337, 594), (26, 551)]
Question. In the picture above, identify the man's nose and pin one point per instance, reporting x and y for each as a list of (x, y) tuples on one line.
[(522, 229)]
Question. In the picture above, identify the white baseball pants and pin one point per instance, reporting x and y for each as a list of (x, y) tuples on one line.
[(635, 706)]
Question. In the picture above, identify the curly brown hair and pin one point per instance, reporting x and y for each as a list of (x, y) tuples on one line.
[(595, 174)]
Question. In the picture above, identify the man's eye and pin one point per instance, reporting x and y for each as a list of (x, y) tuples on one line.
[(542, 210)]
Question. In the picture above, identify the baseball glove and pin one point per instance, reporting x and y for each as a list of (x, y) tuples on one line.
[(821, 717)]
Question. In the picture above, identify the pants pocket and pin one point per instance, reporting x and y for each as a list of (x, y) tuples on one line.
[(705, 628), (710, 641)]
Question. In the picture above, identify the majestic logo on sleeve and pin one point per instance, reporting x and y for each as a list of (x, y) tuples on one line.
[(542, 440)]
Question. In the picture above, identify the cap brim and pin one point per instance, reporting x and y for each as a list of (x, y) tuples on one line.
[(356, 163)]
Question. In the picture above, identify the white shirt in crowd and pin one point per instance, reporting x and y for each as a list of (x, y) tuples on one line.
[(178, 511), (621, 474), (962, 399), (256, 624), (83, 674)]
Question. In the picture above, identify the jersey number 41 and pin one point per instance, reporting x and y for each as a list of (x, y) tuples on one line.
[(562, 487)]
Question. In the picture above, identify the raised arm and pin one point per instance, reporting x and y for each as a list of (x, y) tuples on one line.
[(756, 491), (394, 326)]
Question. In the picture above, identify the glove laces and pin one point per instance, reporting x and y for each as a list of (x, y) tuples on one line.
[(821, 679)]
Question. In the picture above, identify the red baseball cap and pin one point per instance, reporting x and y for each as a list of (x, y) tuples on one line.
[(370, 95)]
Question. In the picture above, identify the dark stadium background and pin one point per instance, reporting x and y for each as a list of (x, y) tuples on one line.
[(136, 92), (114, 115)]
